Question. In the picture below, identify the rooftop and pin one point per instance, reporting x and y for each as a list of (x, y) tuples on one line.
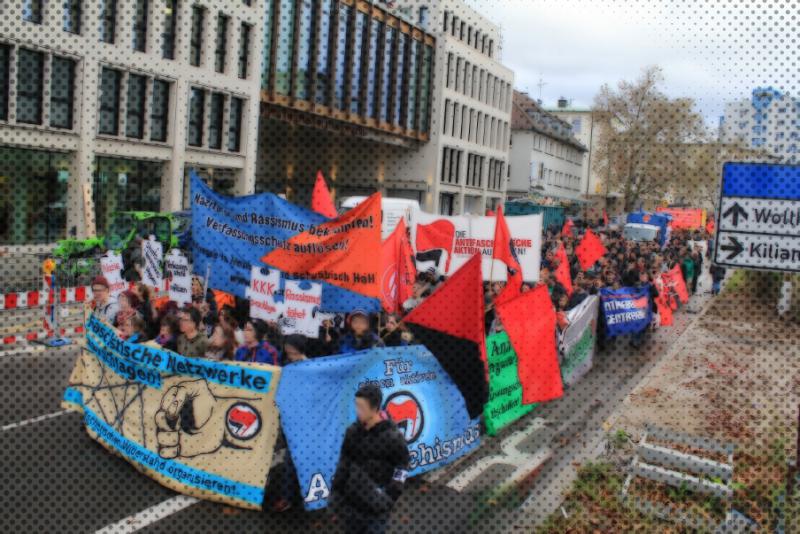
[(527, 114)]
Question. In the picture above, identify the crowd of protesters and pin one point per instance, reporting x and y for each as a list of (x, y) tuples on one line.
[(223, 330)]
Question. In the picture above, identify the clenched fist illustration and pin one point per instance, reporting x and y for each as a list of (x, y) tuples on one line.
[(190, 422)]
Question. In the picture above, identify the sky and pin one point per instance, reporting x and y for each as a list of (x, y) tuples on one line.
[(711, 51)]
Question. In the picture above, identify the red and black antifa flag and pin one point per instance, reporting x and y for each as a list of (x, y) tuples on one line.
[(450, 324)]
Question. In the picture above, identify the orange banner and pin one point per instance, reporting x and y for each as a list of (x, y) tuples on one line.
[(344, 252), (689, 218)]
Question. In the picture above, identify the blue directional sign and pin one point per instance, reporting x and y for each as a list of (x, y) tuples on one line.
[(758, 223)]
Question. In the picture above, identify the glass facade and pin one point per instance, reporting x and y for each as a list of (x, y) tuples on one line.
[(125, 185), (323, 79), (305, 65), (358, 61), (285, 48), (33, 196)]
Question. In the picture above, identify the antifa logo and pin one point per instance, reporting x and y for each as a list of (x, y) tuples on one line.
[(243, 421), (406, 412), (646, 218), (513, 255), (389, 282)]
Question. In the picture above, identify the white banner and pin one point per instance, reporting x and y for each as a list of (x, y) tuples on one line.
[(176, 266), (301, 302), (577, 341), (264, 283), (111, 266), (153, 253), (446, 243)]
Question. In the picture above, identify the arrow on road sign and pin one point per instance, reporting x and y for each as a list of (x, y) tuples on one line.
[(736, 210), (734, 246)]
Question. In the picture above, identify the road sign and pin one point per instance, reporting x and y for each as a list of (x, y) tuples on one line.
[(758, 223)]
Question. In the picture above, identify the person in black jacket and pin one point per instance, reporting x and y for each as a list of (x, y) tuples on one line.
[(372, 467)]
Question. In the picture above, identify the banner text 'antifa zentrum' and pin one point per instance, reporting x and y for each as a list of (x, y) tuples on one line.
[(200, 427), (232, 234)]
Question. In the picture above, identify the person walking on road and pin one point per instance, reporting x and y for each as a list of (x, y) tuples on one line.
[(372, 467), (717, 275)]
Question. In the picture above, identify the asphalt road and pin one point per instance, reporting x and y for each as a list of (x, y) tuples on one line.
[(59, 480)]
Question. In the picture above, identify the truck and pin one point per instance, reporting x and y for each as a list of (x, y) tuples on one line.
[(647, 226)]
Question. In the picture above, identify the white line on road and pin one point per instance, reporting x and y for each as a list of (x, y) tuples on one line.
[(147, 517), (26, 422)]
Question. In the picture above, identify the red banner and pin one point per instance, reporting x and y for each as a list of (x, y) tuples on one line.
[(589, 250), (321, 200), (397, 269), (563, 275), (673, 281)]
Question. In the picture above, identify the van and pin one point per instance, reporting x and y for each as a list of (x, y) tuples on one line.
[(392, 209)]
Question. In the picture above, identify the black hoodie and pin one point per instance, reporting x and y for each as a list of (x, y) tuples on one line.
[(372, 468)]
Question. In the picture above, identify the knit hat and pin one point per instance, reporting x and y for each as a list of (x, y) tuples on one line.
[(100, 280)]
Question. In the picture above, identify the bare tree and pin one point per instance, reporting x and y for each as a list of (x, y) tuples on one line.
[(642, 138)]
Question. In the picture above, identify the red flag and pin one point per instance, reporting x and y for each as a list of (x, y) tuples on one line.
[(673, 279), (562, 271), (321, 200), (450, 323), (530, 322), (605, 218), (566, 230), (435, 237), (342, 252), (397, 269), (589, 250), (664, 309), (710, 226), (503, 250)]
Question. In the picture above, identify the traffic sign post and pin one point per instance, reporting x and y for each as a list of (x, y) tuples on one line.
[(759, 221)]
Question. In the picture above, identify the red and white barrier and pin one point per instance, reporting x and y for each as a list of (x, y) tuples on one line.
[(40, 335), (33, 299)]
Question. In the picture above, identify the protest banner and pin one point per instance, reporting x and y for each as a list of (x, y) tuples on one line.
[(446, 243), (589, 250), (398, 271), (200, 427), (321, 201), (232, 234), (301, 302), (153, 253), (505, 391), (577, 344), (176, 266), (265, 285), (343, 252), (316, 401), (685, 218), (111, 266), (627, 309)]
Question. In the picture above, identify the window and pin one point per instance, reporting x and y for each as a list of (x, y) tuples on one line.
[(446, 203), (5, 64), (491, 47), (341, 56), (423, 17), (197, 106), (30, 79), (446, 21), (266, 53), (425, 89), (222, 42), (475, 170), (413, 65), (305, 65), (448, 71), (140, 26), (357, 65), (108, 21), (321, 92), (215, 120), (109, 101), (196, 39), (62, 88), (170, 28), (72, 16), (137, 87), (400, 78), (125, 185), (283, 61), (386, 84), (451, 165), (458, 74), (159, 115), (32, 11), (244, 50), (373, 67), (235, 125)]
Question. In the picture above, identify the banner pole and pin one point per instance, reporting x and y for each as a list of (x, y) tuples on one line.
[(205, 280)]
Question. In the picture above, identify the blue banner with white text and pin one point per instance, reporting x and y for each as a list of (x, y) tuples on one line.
[(316, 403), (627, 309), (232, 234)]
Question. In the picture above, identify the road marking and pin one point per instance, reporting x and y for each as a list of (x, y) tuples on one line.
[(523, 462), (147, 517), (26, 422)]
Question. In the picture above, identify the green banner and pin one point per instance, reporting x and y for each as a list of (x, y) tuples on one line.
[(505, 392)]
